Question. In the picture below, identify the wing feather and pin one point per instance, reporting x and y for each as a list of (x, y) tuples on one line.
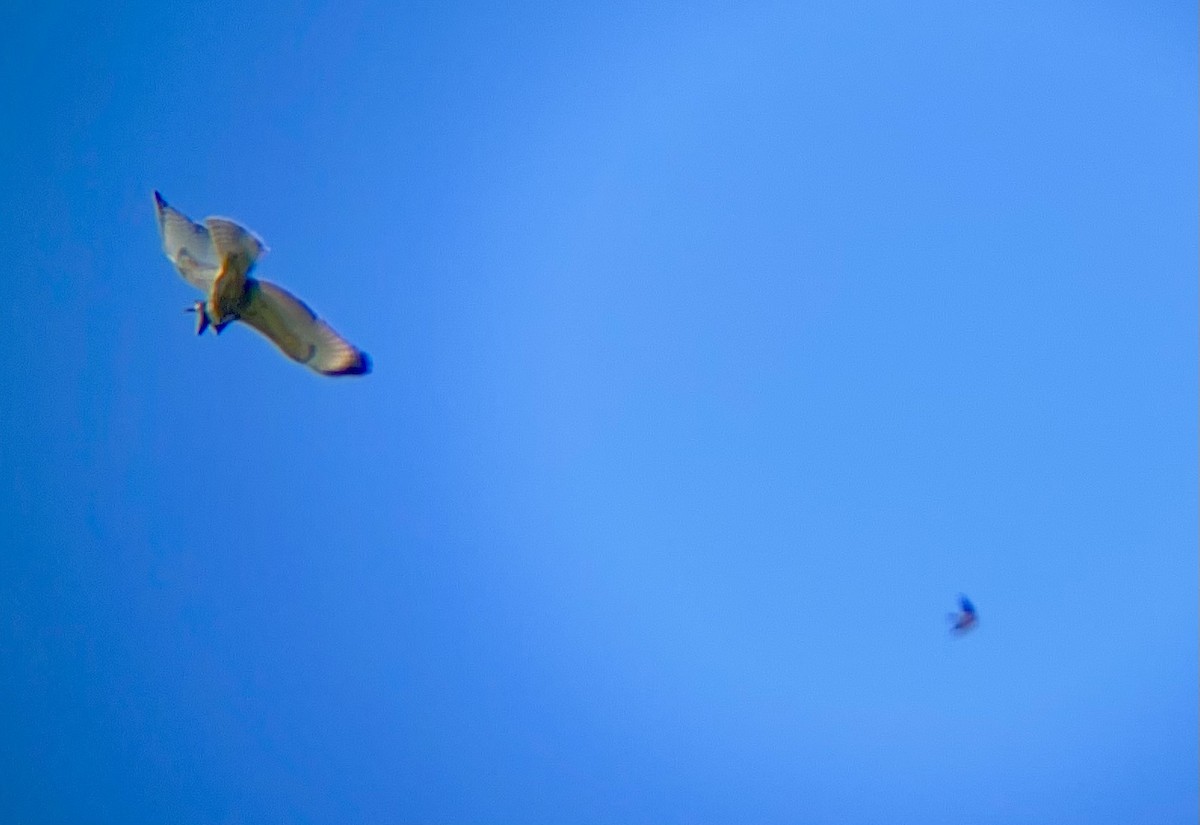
[(187, 245), (298, 332)]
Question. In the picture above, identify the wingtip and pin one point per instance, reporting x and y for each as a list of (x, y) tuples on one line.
[(362, 366), (159, 200)]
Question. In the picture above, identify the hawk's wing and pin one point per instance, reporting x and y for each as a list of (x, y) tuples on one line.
[(187, 245), (966, 605), (298, 332)]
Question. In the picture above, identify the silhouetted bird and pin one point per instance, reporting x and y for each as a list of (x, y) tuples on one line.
[(965, 619), (217, 258)]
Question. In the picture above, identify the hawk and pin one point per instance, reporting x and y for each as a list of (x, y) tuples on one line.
[(965, 619), (217, 257)]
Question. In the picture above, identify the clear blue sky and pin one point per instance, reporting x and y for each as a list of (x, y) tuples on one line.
[(717, 348)]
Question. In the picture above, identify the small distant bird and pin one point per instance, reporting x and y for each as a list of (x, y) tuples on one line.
[(965, 619), (217, 257)]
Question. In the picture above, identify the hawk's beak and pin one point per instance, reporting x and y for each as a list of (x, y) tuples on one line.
[(201, 316)]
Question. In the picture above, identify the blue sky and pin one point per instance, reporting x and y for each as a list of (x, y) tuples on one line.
[(717, 348)]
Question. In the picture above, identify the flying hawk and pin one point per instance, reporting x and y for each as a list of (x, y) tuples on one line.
[(965, 619), (217, 257)]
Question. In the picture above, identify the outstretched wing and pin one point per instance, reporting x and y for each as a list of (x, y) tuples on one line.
[(298, 332), (966, 605), (187, 245)]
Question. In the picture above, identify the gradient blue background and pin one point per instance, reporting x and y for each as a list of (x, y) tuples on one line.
[(716, 351)]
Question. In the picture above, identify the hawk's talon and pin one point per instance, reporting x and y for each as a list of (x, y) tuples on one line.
[(202, 321)]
